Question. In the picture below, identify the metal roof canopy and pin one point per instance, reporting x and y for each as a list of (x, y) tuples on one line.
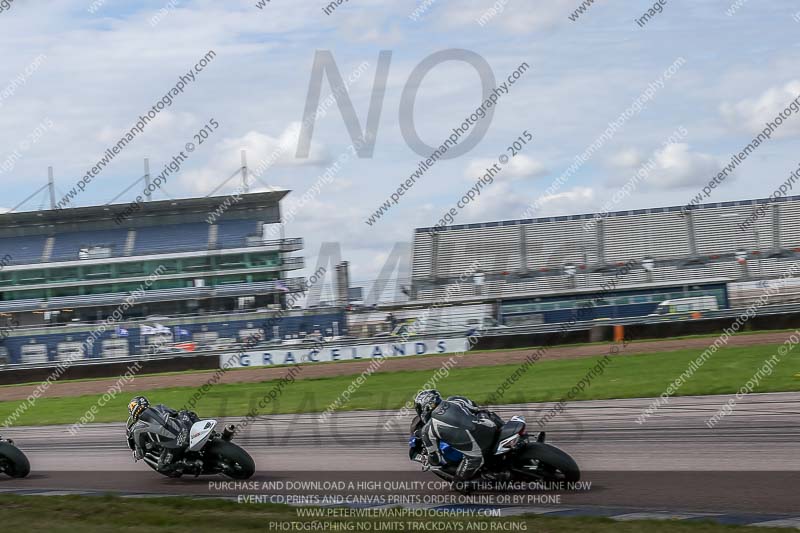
[(260, 205), (585, 216)]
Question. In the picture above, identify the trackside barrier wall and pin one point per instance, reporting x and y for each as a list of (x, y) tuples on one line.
[(605, 332), (105, 370)]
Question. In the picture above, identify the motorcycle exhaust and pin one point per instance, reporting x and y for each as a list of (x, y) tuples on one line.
[(228, 432)]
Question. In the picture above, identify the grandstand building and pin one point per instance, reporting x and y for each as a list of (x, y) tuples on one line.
[(540, 269), (175, 277)]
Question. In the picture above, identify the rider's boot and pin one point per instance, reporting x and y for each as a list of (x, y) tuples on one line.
[(165, 459), (496, 476), (192, 466)]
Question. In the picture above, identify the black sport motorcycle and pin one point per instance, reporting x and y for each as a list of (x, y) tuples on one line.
[(208, 451), (514, 456), (12, 461)]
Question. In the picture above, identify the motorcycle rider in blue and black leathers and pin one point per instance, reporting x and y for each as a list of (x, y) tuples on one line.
[(463, 425)]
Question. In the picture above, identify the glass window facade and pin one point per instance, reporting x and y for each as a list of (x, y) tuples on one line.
[(653, 296), (72, 279)]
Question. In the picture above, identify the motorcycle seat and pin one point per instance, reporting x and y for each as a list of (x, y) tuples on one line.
[(510, 428)]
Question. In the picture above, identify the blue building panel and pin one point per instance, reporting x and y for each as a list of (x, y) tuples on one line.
[(291, 325)]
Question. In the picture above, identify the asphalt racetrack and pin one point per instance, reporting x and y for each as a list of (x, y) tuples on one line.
[(748, 463)]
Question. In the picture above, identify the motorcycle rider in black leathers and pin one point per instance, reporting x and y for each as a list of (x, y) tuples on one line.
[(171, 426), (463, 425)]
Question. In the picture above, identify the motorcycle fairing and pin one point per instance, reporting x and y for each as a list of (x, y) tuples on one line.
[(199, 434)]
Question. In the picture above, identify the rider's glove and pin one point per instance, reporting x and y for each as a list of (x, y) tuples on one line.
[(425, 464)]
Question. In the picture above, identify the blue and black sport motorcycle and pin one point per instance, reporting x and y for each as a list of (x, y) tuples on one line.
[(512, 457)]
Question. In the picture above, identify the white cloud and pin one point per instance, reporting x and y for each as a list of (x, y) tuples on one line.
[(752, 114), (505, 15), (627, 158), (261, 150), (674, 166), (677, 166), (518, 167), (370, 27), (499, 201), (569, 202), (166, 124)]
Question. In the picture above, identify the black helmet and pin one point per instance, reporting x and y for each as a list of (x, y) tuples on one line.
[(425, 402), (136, 406)]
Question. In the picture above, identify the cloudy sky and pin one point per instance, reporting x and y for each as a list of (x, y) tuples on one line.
[(101, 64)]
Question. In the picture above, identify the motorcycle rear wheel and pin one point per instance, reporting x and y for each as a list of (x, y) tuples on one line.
[(543, 461), (13, 462), (231, 460)]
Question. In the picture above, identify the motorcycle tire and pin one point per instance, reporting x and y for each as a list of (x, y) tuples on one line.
[(552, 464), (233, 461), (13, 461)]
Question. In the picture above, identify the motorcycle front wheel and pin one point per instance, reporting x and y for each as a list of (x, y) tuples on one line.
[(545, 462), (12, 461), (230, 459)]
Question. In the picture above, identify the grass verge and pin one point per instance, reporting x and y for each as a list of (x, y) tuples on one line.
[(87, 514), (627, 376)]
